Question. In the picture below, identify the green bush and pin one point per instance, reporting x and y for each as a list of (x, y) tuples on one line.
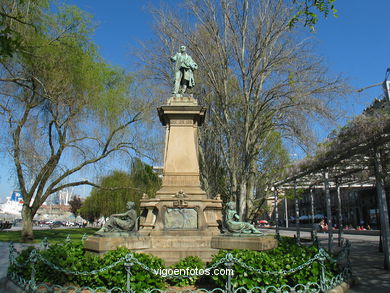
[(188, 263), (286, 256), (72, 257)]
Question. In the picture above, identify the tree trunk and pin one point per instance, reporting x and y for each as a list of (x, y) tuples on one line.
[(242, 200), (250, 190), (27, 228), (234, 195), (249, 198)]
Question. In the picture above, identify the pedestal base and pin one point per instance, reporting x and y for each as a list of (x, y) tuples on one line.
[(171, 247), (180, 214), (101, 245), (258, 243)]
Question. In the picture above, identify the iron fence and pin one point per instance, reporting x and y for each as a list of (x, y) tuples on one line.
[(228, 261)]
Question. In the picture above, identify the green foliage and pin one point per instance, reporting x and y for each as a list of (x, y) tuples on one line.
[(307, 11), (290, 194), (140, 278), (273, 158), (17, 19), (69, 108), (188, 263), (118, 188), (72, 256), (286, 256)]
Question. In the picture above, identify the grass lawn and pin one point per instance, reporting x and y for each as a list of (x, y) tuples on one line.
[(53, 235)]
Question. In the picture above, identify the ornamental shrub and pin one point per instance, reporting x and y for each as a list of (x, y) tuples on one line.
[(286, 256), (72, 257), (189, 263)]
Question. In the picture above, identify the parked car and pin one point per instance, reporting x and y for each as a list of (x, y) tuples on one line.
[(55, 224)]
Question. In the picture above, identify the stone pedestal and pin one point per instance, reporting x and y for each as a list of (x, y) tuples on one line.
[(181, 117), (181, 204), (181, 219), (100, 245), (249, 241)]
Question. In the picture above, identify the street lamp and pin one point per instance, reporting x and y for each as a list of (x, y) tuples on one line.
[(386, 85)]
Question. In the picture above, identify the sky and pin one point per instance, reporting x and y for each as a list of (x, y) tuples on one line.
[(356, 45)]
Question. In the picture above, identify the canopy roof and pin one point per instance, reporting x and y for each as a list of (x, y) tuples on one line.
[(347, 155)]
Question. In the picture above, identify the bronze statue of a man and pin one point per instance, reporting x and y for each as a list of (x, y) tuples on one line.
[(184, 67)]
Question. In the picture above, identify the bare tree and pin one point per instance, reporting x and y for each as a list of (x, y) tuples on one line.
[(255, 75)]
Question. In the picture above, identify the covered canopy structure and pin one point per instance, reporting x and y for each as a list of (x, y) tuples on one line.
[(358, 154)]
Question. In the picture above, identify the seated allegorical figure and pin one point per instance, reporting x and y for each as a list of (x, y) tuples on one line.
[(233, 224), (125, 222)]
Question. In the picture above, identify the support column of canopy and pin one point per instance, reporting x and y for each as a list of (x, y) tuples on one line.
[(383, 209), (276, 213), (286, 211), (340, 216), (297, 223), (312, 212), (328, 210)]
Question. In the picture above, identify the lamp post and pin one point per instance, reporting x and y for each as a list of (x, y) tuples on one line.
[(386, 85)]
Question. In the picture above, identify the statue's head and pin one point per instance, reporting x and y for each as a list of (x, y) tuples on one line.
[(130, 205), (231, 205), (182, 49)]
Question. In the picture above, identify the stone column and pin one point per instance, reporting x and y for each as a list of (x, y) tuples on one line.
[(181, 206), (181, 116)]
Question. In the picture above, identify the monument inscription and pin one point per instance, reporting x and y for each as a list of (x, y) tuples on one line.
[(181, 218)]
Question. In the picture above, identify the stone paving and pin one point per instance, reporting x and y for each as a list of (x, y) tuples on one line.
[(367, 261)]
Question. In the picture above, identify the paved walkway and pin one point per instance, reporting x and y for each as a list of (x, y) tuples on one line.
[(367, 262)]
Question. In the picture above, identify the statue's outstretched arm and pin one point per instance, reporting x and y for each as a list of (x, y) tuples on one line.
[(194, 66), (173, 58)]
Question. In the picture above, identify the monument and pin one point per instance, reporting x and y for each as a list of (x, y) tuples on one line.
[(181, 219)]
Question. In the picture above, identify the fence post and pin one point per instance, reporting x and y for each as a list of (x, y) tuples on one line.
[(11, 256), (128, 264), (45, 243), (229, 264), (33, 260), (321, 260)]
